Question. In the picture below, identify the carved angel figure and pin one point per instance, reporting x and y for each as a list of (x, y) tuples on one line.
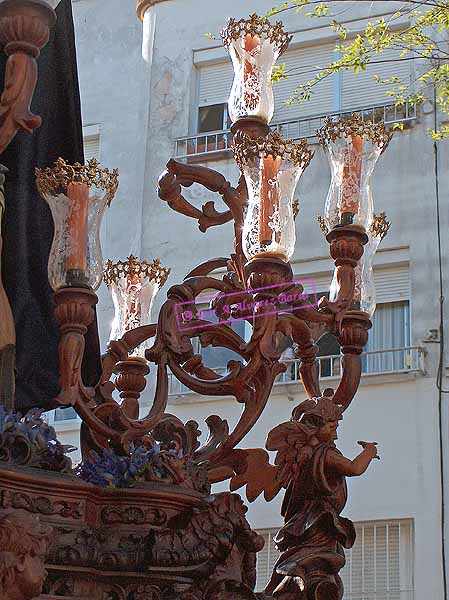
[(23, 545), (314, 472)]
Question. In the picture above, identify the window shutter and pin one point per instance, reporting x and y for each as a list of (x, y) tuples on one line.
[(362, 91), (91, 147), (215, 82), (392, 283), (318, 284), (301, 65), (266, 559), (379, 565)]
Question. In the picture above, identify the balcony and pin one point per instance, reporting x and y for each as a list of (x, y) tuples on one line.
[(216, 144), (376, 362)]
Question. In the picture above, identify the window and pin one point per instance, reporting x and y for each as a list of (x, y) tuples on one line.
[(378, 567), (391, 323), (340, 92), (266, 559), (62, 415), (380, 564), (91, 139), (361, 89), (301, 65), (66, 414), (389, 339), (213, 118)]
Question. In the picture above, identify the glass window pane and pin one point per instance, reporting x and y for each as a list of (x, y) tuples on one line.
[(391, 331), (211, 118), (65, 414)]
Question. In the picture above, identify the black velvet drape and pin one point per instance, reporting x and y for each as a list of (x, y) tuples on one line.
[(28, 227)]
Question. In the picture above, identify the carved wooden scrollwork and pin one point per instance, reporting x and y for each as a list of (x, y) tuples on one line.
[(249, 291), (41, 505), (24, 31), (263, 293)]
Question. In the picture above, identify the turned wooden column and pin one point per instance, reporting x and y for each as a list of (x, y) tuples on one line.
[(346, 248), (131, 382), (74, 313)]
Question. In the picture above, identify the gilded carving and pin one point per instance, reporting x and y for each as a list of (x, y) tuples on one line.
[(154, 271), (256, 26), (55, 180), (354, 125)]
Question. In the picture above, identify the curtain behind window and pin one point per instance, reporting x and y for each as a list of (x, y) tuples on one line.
[(391, 329)]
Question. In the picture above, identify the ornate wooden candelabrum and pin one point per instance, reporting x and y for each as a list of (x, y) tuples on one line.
[(190, 545)]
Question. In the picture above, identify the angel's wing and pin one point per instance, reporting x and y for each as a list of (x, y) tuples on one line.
[(290, 442), (252, 468)]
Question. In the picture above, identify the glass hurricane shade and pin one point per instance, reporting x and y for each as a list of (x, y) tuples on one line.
[(51, 3), (272, 168), (364, 297), (254, 46), (350, 201), (353, 148), (77, 196), (134, 285), (252, 92)]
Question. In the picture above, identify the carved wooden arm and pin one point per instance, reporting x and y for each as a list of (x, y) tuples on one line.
[(179, 175), (24, 31)]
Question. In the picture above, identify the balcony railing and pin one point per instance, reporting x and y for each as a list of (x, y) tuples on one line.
[(212, 144), (375, 362)]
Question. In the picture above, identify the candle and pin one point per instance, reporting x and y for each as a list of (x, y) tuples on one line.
[(351, 182), (251, 96), (76, 261), (269, 198), (134, 306), (357, 296)]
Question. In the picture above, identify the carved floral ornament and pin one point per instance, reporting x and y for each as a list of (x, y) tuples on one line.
[(379, 226), (322, 223), (55, 180), (247, 149), (334, 129), (154, 271), (256, 26)]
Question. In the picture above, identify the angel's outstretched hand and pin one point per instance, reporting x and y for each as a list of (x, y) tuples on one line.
[(370, 448)]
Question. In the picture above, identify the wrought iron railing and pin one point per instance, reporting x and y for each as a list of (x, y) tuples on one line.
[(212, 144), (375, 362)]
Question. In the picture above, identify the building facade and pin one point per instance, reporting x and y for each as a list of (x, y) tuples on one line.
[(159, 89)]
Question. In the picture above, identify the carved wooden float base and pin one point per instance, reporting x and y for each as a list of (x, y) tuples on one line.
[(157, 542)]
